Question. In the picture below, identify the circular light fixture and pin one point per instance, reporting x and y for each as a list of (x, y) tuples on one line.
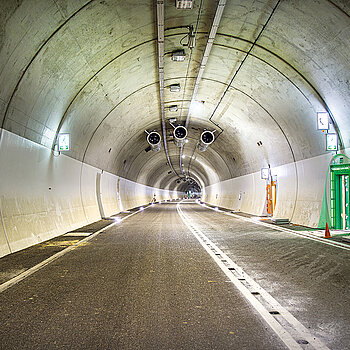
[(153, 139), (180, 133), (207, 138)]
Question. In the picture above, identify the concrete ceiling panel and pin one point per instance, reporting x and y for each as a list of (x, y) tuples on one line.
[(90, 68), (24, 26)]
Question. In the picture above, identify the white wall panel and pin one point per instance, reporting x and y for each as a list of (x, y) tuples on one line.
[(287, 190), (300, 190), (245, 193), (43, 195), (109, 194), (88, 192), (40, 195), (312, 178)]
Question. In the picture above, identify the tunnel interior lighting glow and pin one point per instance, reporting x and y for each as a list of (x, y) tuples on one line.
[(216, 208), (184, 4), (173, 108), (178, 56), (117, 220), (141, 208), (174, 87), (197, 107)]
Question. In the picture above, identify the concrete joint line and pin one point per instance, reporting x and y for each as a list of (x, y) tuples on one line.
[(284, 324), (54, 257), (4, 228)]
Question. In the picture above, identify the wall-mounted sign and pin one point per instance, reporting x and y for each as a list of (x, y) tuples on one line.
[(322, 121), (63, 142), (331, 142), (265, 173)]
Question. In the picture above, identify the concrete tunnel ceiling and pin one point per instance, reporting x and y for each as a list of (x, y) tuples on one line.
[(90, 68)]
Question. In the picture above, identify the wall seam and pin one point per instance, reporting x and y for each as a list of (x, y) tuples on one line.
[(3, 226), (1, 216)]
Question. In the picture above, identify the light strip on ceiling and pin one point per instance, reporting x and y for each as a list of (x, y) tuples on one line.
[(210, 41), (160, 27), (212, 34)]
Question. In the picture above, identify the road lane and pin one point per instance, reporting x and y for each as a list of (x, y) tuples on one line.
[(144, 284), (310, 279)]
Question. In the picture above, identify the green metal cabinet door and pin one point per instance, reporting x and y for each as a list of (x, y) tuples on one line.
[(340, 195), (345, 209)]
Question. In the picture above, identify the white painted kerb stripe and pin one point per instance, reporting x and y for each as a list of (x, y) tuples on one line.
[(298, 330)]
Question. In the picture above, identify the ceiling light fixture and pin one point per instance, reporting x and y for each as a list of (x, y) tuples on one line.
[(207, 138), (153, 138), (184, 4), (173, 108), (174, 87), (180, 133), (178, 55)]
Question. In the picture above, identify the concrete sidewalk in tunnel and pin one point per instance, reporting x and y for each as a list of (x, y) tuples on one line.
[(143, 284)]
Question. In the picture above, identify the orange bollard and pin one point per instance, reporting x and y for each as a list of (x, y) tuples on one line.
[(327, 234)]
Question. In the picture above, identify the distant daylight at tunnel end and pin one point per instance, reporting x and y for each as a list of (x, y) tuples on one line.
[(174, 174)]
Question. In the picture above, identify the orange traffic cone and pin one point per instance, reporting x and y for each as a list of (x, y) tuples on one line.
[(327, 234)]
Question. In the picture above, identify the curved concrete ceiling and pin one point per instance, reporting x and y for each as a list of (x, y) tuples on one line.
[(90, 68)]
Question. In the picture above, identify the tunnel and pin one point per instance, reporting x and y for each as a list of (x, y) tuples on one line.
[(109, 106)]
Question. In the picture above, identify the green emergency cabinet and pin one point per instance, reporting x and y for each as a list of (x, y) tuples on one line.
[(339, 191)]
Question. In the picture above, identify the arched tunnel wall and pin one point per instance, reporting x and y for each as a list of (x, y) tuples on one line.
[(45, 194), (93, 69)]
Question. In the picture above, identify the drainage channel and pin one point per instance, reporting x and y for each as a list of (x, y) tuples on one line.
[(293, 334)]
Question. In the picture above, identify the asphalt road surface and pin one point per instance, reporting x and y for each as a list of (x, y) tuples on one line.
[(148, 283)]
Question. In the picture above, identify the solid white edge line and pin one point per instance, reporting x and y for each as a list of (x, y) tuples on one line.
[(54, 257), (282, 229), (273, 323)]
